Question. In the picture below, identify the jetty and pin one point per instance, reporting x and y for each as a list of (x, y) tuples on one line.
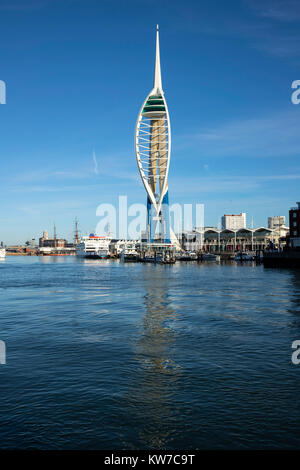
[(282, 259)]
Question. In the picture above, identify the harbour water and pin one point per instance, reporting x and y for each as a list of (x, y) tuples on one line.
[(105, 355)]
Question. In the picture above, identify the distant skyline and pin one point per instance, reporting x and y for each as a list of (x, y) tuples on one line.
[(76, 72)]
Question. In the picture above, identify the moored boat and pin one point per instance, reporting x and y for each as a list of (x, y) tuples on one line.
[(168, 259), (210, 257), (243, 256), (155, 258), (129, 253), (187, 256)]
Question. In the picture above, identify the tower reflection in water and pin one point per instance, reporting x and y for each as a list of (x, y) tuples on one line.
[(154, 383)]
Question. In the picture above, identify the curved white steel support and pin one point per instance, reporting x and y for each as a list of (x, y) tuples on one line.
[(153, 144), (143, 136)]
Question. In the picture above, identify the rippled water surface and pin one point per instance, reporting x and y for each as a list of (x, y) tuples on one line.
[(102, 355)]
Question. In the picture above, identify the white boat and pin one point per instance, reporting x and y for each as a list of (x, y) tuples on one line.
[(129, 253), (210, 257), (169, 259), (187, 256), (118, 247), (93, 246), (243, 256), (2, 252)]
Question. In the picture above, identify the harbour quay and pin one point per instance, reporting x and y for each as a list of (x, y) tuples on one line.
[(284, 259), (289, 256)]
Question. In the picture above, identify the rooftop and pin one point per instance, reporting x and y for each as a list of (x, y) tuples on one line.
[(234, 215)]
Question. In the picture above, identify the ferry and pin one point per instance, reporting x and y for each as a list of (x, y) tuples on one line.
[(2, 252), (93, 247)]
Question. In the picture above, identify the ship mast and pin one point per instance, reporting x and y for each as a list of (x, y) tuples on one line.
[(54, 236), (76, 238)]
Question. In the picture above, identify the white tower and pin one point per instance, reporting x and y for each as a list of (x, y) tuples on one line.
[(153, 150)]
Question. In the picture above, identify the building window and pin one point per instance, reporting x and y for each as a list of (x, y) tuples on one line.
[(295, 233), (294, 215), (295, 224)]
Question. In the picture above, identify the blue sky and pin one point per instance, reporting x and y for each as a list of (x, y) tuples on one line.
[(77, 72)]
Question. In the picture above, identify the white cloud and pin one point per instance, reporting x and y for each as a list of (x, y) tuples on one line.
[(280, 10), (220, 184), (95, 163), (271, 136)]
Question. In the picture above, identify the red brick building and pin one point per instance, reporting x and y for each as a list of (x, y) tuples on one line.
[(45, 241)]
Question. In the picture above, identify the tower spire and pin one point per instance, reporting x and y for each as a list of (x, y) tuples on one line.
[(157, 74)]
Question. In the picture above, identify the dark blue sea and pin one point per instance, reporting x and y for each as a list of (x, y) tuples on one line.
[(105, 355)]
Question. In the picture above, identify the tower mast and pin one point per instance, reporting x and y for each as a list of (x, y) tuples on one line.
[(157, 86)]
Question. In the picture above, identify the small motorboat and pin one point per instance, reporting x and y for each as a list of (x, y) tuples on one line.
[(188, 256), (156, 258), (210, 257), (168, 259), (243, 256)]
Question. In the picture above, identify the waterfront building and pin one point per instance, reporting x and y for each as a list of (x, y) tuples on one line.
[(294, 216), (43, 238), (153, 151), (212, 239), (243, 239), (278, 227), (52, 243), (20, 249), (234, 221), (191, 240), (277, 221), (46, 242), (31, 243)]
